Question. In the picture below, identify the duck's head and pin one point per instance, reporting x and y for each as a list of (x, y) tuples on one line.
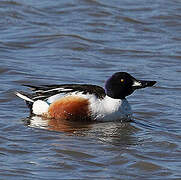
[(122, 84)]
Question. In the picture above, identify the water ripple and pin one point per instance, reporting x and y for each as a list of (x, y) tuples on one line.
[(49, 42)]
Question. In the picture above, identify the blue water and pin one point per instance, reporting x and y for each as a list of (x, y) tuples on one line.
[(54, 42)]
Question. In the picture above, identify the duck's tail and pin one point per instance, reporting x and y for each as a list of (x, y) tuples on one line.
[(27, 99), (24, 97)]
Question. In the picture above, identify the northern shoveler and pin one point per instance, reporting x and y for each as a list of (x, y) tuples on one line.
[(85, 101)]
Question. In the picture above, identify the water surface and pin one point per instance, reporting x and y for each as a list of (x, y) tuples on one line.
[(75, 41)]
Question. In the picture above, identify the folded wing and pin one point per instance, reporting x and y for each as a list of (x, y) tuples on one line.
[(43, 92)]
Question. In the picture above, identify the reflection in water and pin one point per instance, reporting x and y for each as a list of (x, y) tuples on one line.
[(116, 133), (56, 124)]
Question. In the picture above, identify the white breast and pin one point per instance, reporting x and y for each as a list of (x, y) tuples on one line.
[(109, 109)]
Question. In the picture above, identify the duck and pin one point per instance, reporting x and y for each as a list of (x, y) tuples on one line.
[(88, 102)]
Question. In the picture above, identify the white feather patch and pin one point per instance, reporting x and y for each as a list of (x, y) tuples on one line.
[(55, 89), (53, 98), (109, 109), (23, 97), (40, 107)]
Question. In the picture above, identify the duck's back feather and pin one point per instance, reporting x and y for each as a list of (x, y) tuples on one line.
[(45, 91)]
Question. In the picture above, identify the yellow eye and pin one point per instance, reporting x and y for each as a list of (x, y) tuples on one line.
[(122, 80)]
